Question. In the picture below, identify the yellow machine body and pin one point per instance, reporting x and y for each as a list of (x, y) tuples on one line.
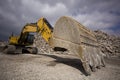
[(42, 27), (45, 29), (13, 39)]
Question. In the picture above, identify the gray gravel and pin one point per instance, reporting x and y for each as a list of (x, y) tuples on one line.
[(52, 67), (109, 44)]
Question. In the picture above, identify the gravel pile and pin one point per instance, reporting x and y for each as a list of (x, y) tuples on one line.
[(109, 44), (43, 47), (41, 44)]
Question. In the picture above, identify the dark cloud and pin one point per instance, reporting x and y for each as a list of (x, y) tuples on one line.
[(95, 14)]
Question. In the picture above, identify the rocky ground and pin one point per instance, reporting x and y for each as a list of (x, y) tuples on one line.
[(47, 65), (109, 44), (53, 67)]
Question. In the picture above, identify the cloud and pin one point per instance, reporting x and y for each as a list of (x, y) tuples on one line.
[(94, 14), (39, 9), (97, 20)]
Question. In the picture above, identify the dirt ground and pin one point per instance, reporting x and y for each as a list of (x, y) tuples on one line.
[(53, 67)]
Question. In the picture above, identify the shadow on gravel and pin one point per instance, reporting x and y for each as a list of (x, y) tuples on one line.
[(76, 63)]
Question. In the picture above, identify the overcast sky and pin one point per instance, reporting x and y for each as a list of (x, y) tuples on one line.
[(94, 14)]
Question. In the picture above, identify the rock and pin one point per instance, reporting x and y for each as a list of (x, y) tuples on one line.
[(2, 45), (44, 47), (41, 44), (109, 44)]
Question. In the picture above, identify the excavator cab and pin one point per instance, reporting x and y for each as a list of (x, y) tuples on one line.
[(30, 38)]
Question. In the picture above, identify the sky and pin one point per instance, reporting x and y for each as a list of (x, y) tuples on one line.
[(94, 14)]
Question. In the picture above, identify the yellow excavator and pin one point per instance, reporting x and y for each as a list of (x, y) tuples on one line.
[(67, 35), (23, 42)]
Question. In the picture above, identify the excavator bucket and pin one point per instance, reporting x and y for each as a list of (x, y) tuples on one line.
[(70, 35)]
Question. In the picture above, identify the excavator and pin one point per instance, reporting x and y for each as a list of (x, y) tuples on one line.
[(67, 35), (23, 42)]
